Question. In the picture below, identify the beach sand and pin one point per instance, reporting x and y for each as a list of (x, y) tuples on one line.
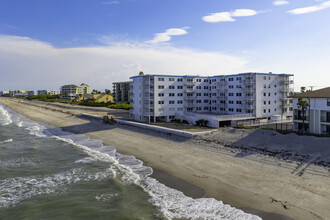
[(203, 167)]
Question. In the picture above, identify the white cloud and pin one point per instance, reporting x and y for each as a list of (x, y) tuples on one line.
[(310, 9), (166, 36), (280, 2), (111, 3), (30, 64), (228, 16)]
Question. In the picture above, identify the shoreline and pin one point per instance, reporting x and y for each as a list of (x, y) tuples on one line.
[(193, 174)]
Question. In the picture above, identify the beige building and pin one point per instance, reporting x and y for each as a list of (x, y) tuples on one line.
[(96, 97), (316, 118), (71, 91)]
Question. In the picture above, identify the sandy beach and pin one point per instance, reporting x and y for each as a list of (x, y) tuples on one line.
[(253, 170)]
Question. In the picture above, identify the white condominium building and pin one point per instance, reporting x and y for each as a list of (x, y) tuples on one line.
[(316, 118), (163, 97)]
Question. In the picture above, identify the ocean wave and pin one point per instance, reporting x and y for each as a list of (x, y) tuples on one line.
[(171, 203), (5, 116), (15, 190), (8, 140)]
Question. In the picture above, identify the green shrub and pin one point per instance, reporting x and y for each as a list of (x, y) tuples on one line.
[(120, 106)]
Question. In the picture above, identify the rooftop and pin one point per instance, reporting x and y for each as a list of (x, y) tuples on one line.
[(320, 93)]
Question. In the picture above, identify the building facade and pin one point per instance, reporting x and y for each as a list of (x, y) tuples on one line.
[(49, 92), (71, 91), (316, 117), (257, 95), (121, 92), (18, 93)]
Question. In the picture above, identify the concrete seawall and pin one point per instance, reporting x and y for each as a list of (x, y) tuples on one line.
[(186, 134)]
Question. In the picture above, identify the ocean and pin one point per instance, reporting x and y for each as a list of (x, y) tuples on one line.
[(46, 173)]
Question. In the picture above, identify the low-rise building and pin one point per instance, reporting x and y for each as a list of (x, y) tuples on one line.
[(316, 117), (71, 91), (121, 92), (95, 97), (18, 93), (49, 92), (32, 92), (240, 96)]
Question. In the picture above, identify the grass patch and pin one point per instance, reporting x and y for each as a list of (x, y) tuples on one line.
[(120, 106)]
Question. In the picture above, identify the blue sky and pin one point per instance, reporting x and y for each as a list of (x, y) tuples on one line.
[(47, 43)]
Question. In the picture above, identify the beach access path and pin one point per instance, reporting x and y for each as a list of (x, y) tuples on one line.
[(243, 178)]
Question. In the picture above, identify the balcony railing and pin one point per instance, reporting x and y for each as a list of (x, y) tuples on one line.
[(296, 117), (325, 119), (222, 83), (189, 90), (189, 97), (286, 82), (248, 81), (222, 97)]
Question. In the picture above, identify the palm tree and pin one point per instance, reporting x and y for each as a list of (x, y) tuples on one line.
[(303, 104)]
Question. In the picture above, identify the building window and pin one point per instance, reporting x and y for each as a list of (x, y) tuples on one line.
[(161, 94), (180, 87), (238, 94), (180, 102), (265, 102), (231, 94), (206, 87), (231, 102), (239, 102), (206, 108), (206, 94), (160, 79), (180, 109), (264, 110), (268, 102), (160, 87), (171, 109), (171, 94), (264, 86), (205, 80), (199, 80), (230, 109), (265, 94), (268, 94), (238, 86), (265, 77), (161, 109), (171, 79), (161, 102), (231, 79), (171, 102), (180, 94), (238, 110), (328, 102), (268, 110), (206, 101), (198, 101), (180, 80), (171, 87), (198, 108)]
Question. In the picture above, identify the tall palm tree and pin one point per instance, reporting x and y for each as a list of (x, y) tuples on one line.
[(303, 104)]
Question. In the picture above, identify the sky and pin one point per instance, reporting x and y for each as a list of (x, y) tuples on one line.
[(45, 44)]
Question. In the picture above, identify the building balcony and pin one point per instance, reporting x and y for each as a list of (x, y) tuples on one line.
[(325, 119), (189, 90), (223, 90), (286, 82), (149, 82), (286, 105), (249, 98), (222, 97), (248, 81), (248, 90), (300, 118), (189, 83), (221, 105), (189, 97), (222, 83)]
